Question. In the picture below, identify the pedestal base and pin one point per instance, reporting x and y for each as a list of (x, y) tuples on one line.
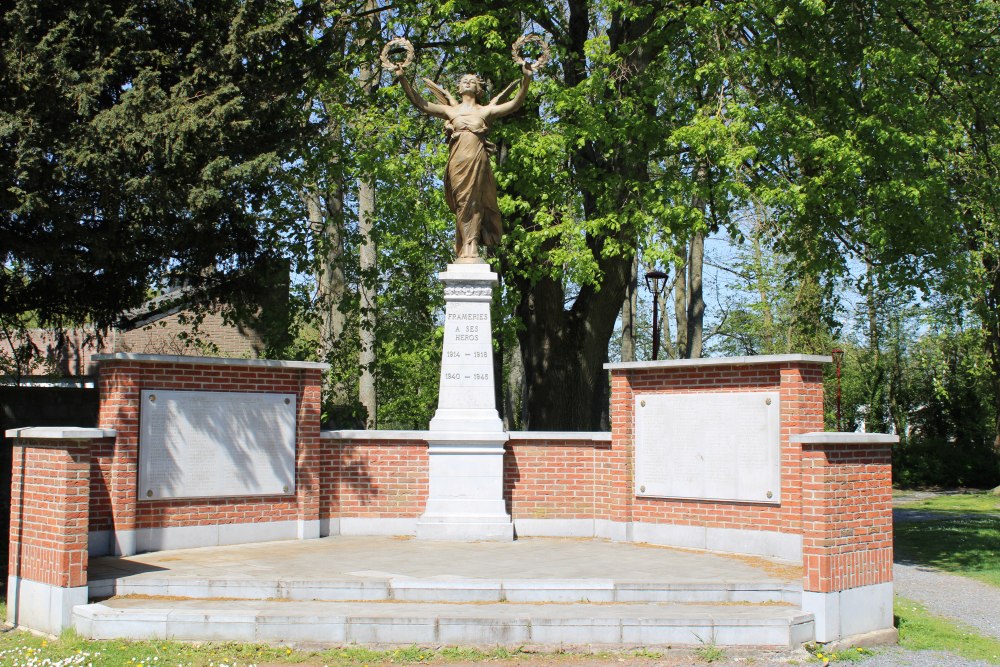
[(465, 499), (466, 443), (457, 529)]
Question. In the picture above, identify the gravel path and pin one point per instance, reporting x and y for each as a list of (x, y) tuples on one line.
[(897, 657)]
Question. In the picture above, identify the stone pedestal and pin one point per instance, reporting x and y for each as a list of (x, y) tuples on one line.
[(466, 440)]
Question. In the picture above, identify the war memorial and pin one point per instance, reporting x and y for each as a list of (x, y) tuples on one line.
[(210, 505)]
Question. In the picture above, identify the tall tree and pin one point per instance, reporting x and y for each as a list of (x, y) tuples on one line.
[(577, 187), (141, 138)]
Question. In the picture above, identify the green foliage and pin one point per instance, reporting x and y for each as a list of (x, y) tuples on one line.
[(773, 304), (921, 372), (137, 139), (141, 139), (952, 424)]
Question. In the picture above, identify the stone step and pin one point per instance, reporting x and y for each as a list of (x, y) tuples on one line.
[(411, 589), (507, 624)]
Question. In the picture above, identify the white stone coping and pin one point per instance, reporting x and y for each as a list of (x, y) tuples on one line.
[(844, 438), (387, 435), (60, 433), (590, 436), (374, 434), (721, 361), (473, 271), (214, 361)]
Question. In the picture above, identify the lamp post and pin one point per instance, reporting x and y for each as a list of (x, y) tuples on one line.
[(838, 358), (655, 281)]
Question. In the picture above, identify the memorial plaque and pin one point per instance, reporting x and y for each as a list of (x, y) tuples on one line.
[(197, 444), (709, 446), (466, 400), (467, 357)]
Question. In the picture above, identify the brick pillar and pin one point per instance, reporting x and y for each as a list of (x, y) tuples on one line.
[(801, 390), (308, 454), (119, 410), (50, 495), (847, 532)]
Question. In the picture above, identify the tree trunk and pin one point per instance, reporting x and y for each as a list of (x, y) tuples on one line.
[(326, 220), (564, 352), (696, 297), (629, 308), (764, 293), (666, 339), (564, 349), (681, 309), (367, 301), (514, 402), (367, 297)]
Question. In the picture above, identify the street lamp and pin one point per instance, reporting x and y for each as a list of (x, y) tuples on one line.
[(838, 359), (655, 282)]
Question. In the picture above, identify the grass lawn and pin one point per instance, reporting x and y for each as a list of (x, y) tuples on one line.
[(921, 631), (965, 540), (27, 650), (976, 501)]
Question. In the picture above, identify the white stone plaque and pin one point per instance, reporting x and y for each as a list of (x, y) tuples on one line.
[(466, 400), (467, 360), (709, 446), (197, 444)]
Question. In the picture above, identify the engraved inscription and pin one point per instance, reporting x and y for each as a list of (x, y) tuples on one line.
[(216, 444), (713, 446), (467, 359)]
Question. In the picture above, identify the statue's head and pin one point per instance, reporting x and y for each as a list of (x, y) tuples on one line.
[(470, 83)]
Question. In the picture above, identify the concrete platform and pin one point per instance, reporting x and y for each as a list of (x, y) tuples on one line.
[(381, 590)]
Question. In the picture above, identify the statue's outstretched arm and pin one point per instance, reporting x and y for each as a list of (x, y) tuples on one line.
[(418, 101), (505, 108)]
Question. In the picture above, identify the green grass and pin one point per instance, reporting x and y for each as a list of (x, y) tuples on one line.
[(919, 630), (965, 545), (28, 650), (977, 501), (710, 653)]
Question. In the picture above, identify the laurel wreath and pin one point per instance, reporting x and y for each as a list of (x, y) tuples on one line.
[(399, 41), (542, 60)]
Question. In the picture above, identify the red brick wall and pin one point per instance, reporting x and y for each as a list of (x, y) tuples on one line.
[(102, 454), (49, 499), (115, 473), (387, 478), (557, 479), (847, 515), (373, 478), (800, 386)]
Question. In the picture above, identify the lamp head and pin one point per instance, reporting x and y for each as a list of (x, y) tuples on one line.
[(653, 279)]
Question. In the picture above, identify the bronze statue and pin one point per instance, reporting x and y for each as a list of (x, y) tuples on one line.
[(469, 186)]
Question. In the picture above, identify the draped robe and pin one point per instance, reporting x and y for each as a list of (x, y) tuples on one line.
[(469, 186)]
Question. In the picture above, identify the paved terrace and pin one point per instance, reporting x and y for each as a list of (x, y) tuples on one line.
[(400, 569), (383, 590), (383, 559)]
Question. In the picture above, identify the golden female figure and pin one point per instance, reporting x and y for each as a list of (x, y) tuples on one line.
[(469, 186)]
